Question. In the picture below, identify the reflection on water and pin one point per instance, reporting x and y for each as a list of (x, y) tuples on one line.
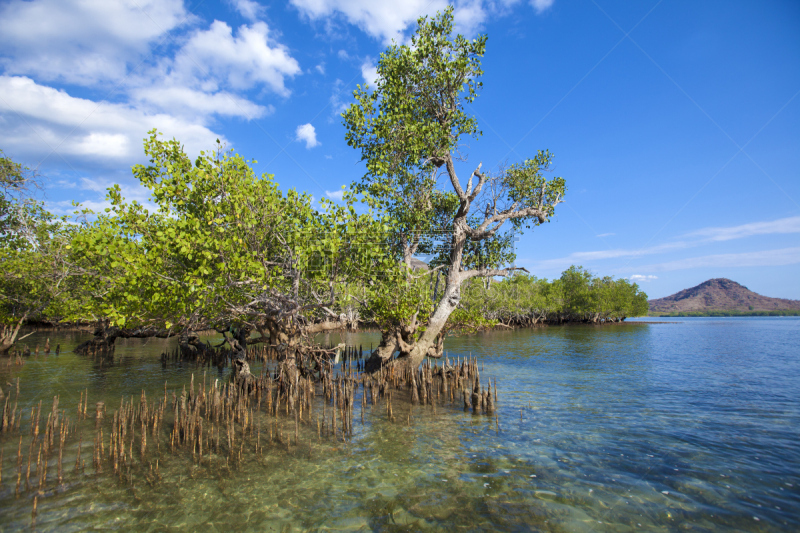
[(687, 425)]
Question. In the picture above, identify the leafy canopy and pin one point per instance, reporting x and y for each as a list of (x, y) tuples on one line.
[(407, 126), (225, 246)]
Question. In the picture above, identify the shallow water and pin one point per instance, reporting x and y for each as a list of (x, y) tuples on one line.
[(692, 424)]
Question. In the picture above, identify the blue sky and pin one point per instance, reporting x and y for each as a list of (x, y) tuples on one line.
[(675, 124)]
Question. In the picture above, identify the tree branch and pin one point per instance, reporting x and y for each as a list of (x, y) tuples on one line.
[(490, 272), (481, 232), (451, 171), (313, 329), (481, 180)]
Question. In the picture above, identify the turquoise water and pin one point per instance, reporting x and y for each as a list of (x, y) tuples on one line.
[(692, 424)]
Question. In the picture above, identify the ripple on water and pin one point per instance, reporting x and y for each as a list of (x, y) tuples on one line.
[(654, 427)]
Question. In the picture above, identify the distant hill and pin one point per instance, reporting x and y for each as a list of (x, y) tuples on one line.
[(417, 264), (721, 294)]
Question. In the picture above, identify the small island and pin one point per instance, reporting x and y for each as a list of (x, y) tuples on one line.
[(722, 297)]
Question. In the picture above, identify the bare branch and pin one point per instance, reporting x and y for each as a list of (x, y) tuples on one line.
[(481, 180), (451, 172), (319, 327), (490, 272), (540, 212)]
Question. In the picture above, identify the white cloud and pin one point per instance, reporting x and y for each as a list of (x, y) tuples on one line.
[(320, 68), (83, 42), (639, 278), (54, 120), (243, 61), (307, 134), (335, 195), (389, 21), (370, 73), (93, 43), (248, 9), (382, 20), (779, 257), (582, 257), (212, 63), (606, 235), (469, 16), (90, 42), (780, 226), (184, 101), (541, 5), (688, 240)]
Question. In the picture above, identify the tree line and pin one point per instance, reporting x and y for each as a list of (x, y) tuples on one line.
[(229, 250), (575, 297)]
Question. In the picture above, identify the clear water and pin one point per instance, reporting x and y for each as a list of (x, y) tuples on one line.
[(688, 425)]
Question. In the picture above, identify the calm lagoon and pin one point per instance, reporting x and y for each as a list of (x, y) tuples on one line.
[(651, 425)]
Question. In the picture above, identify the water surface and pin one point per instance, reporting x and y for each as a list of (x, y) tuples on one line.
[(690, 424)]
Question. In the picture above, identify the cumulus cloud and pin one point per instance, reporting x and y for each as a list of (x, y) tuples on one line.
[(382, 20), (389, 21), (207, 71), (83, 43), (307, 134), (240, 61), (639, 278), (97, 44), (104, 131), (185, 101), (469, 16)]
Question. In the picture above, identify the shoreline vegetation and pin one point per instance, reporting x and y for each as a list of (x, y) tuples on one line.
[(519, 301), (577, 297), (721, 313)]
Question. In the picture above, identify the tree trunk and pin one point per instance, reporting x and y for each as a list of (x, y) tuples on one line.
[(8, 336), (383, 353), (103, 341), (190, 345), (430, 344), (105, 337), (241, 374)]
